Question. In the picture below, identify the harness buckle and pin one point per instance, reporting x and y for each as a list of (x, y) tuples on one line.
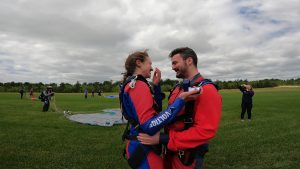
[(164, 149), (132, 82), (180, 153)]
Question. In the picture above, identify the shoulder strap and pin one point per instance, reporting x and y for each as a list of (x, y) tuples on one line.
[(172, 90), (207, 81), (132, 80), (189, 106)]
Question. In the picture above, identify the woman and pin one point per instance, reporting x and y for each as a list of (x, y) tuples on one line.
[(141, 106), (246, 105)]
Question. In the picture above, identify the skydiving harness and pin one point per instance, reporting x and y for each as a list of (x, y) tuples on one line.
[(130, 121), (187, 157), (141, 151), (187, 117)]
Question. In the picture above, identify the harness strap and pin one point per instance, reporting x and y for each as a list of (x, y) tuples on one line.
[(126, 133), (187, 157), (187, 116), (132, 80), (172, 90), (140, 152)]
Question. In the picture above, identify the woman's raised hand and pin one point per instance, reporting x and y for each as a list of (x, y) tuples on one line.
[(156, 76)]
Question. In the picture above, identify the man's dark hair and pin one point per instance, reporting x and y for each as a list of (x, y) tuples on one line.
[(185, 53)]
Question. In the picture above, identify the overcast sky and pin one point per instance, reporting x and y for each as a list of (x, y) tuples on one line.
[(89, 40)]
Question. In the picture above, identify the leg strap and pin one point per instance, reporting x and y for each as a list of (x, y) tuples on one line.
[(187, 157)]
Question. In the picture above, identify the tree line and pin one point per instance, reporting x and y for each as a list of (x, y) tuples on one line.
[(110, 86)]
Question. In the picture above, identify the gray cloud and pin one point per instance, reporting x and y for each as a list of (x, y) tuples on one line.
[(87, 41)]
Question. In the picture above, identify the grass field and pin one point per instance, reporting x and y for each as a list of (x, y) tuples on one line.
[(30, 138)]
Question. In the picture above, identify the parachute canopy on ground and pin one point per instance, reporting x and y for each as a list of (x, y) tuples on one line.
[(109, 117)]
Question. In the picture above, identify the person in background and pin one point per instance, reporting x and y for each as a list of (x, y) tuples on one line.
[(21, 92), (31, 92), (86, 93), (246, 104), (46, 97), (93, 92)]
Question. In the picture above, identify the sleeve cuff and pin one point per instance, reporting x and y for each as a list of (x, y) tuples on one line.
[(163, 139)]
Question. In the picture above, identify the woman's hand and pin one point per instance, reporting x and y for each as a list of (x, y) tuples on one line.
[(190, 95), (149, 140), (156, 76)]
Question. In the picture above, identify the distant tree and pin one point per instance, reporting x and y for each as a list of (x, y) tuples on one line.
[(110, 86), (107, 86), (77, 87)]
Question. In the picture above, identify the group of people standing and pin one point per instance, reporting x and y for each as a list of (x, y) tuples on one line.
[(44, 97), (190, 121), (22, 92), (86, 92)]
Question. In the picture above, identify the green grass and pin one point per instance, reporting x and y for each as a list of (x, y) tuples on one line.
[(270, 140), (30, 138)]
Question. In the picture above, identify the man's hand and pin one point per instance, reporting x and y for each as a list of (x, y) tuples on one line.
[(149, 140), (156, 76)]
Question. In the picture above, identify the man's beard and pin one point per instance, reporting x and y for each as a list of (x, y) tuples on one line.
[(181, 73), (181, 76)]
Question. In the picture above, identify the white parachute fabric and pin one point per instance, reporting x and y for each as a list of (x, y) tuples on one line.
[(108, 118)]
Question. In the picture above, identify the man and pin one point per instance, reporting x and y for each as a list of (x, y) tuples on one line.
[(186, 139), (46, 97), (21, 92)]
